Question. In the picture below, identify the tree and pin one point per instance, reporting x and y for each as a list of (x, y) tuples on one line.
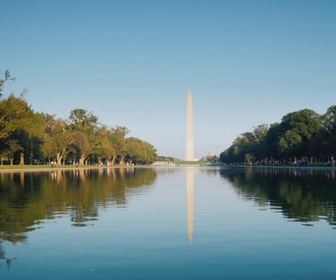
[(85, 126), (12, 110), (329, 121), (28, 136), (21, 129), (7, 77), (298, 135), (258, 143), (271, 142), (117, 137), (139, 151), (104, 148), (58, 138), (327, 140), (298, 128)]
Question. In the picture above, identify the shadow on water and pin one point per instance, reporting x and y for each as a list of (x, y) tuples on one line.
[(302, 195)]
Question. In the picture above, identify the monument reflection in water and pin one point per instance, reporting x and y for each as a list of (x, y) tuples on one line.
[(143, 224), (190, 201)]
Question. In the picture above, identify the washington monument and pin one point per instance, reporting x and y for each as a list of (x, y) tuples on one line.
[(190, 129)]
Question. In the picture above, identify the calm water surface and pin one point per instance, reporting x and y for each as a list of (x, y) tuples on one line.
[(168, 223)]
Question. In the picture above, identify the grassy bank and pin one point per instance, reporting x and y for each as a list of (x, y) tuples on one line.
[(9, 168)]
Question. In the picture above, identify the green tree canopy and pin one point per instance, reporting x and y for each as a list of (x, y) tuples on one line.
[(21, 129), (301, 135)]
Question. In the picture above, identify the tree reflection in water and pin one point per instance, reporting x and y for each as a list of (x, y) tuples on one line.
[(3, 257), (29, 198), (303, 195)]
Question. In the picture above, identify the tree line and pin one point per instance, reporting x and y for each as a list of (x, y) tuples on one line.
[(29, 137), (302, 137)]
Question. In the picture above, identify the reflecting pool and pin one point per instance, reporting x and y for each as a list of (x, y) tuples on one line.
[(168, 223)]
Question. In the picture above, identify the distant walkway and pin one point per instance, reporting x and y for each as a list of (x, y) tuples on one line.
[(163, 163)]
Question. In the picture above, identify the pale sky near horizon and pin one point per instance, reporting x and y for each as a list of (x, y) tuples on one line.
[(132, 63)]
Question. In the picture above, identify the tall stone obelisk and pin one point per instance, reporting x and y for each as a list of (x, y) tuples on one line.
[(190, 128)]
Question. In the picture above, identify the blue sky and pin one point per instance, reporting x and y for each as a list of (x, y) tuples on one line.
[(132, 63)]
